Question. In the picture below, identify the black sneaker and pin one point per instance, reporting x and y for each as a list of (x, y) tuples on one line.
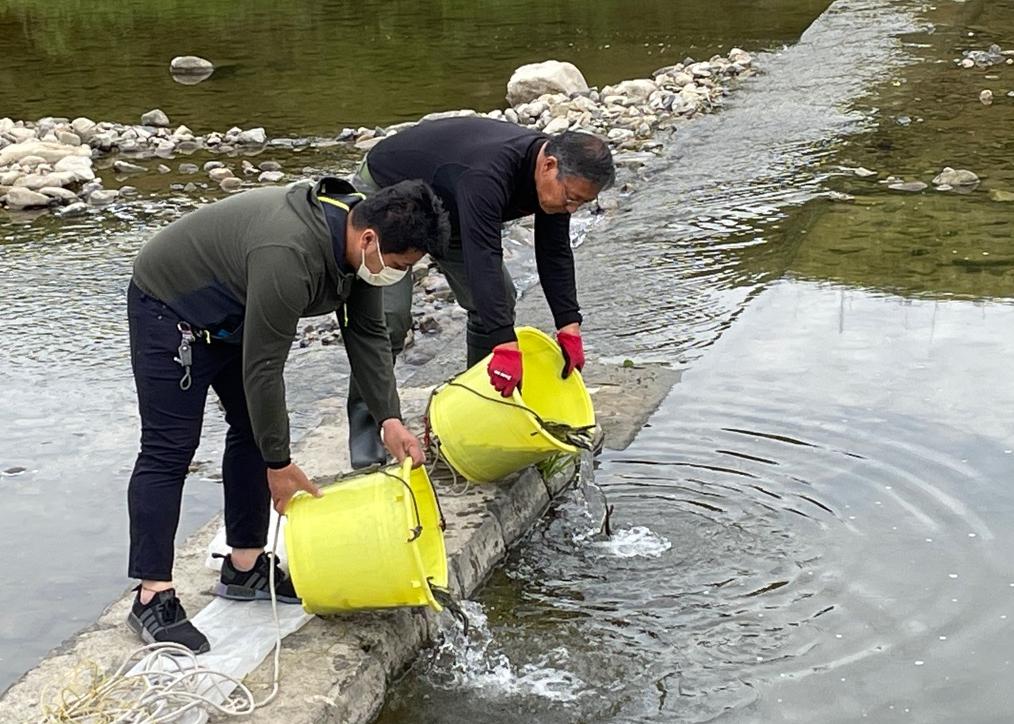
[(253, 585), (163, 620)]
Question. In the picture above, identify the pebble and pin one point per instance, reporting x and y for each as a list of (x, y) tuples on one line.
[(189, 168), (269, 166), (986, 97), (126, 167), (231, 183), (271, 177)]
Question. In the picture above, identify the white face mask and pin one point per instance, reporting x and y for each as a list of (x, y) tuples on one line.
[(385, 277)]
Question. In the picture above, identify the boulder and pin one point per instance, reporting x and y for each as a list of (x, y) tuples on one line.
[(191, 65), (47, 150), (23, 198), (552, 76), (58, 192), (955, 177), (155, 117), (255, 136), (79, 166), (636, 90)]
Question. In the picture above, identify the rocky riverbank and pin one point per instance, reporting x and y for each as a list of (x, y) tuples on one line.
[(76, 166)]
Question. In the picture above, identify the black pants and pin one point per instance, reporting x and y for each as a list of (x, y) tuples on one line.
[(171, 421)]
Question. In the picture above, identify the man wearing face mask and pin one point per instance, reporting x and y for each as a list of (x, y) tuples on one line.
[(487, 172), (215, 301)]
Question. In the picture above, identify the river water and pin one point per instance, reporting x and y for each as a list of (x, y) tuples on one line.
[(814, 526), (816, 523)]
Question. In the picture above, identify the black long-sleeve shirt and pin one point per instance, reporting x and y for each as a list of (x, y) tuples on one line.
[(484, 172)]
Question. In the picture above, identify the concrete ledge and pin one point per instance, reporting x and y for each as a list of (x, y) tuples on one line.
[(337, 669)]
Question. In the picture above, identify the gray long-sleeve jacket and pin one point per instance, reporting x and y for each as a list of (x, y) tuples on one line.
[(247, 268)]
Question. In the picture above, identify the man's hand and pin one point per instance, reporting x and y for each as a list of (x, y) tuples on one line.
[(401, 443), (569, 338), (286, 482), (504, 369)]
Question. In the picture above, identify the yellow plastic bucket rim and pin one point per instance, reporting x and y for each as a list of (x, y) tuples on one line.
[(406, 476)]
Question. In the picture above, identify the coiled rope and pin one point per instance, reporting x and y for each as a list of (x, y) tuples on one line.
[(159, 683)]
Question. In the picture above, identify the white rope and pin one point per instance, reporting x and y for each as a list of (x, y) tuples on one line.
[(161, 683)]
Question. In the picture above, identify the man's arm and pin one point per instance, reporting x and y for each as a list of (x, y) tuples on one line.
[(481, 201), (278, 292), (555, 261)]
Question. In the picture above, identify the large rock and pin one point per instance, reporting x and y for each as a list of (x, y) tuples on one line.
[(255, 136), (955, 177), (155, 117), (637, 90), (22, 198), (47, 150), (190, 65), (79, 166), (552, 76)]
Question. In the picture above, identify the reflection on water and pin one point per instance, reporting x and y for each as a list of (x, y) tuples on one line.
[(831, 471), (311, 67)]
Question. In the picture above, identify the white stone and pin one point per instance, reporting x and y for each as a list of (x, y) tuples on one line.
[(190, 64), (6, 124), (23, 198), (75, 209), (68, 139), (618, 135), (463, 113), (155, 117), (79, 166), (955, 177), (636, 90), (740, 57), (126, 167), (552, 76), (863, 172), (220, 174), (82, 126), (271, 177), (49, 151), (21, 135), (557, 125), (253, 136), (231, 184), (8, 178), (367, 143), (58, 192), (986, 97), (103, 197)]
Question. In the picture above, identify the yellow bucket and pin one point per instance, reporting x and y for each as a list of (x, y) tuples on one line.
[(485, 439), (372, 541)]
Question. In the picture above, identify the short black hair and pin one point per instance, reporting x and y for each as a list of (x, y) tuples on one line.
[(584, 156), (406, 216)]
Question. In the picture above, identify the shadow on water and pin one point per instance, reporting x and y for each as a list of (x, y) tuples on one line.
[(819, 510)]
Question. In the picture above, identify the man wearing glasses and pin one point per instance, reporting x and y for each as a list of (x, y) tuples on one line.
[(487, 172)]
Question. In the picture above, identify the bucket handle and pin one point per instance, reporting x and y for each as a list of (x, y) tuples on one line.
[(406, 472)]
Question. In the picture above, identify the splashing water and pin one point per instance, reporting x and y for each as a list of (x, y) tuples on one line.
[(638, 541), (475, 663)]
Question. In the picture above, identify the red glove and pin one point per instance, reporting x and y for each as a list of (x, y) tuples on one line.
[(505, 370), (573, 352)]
